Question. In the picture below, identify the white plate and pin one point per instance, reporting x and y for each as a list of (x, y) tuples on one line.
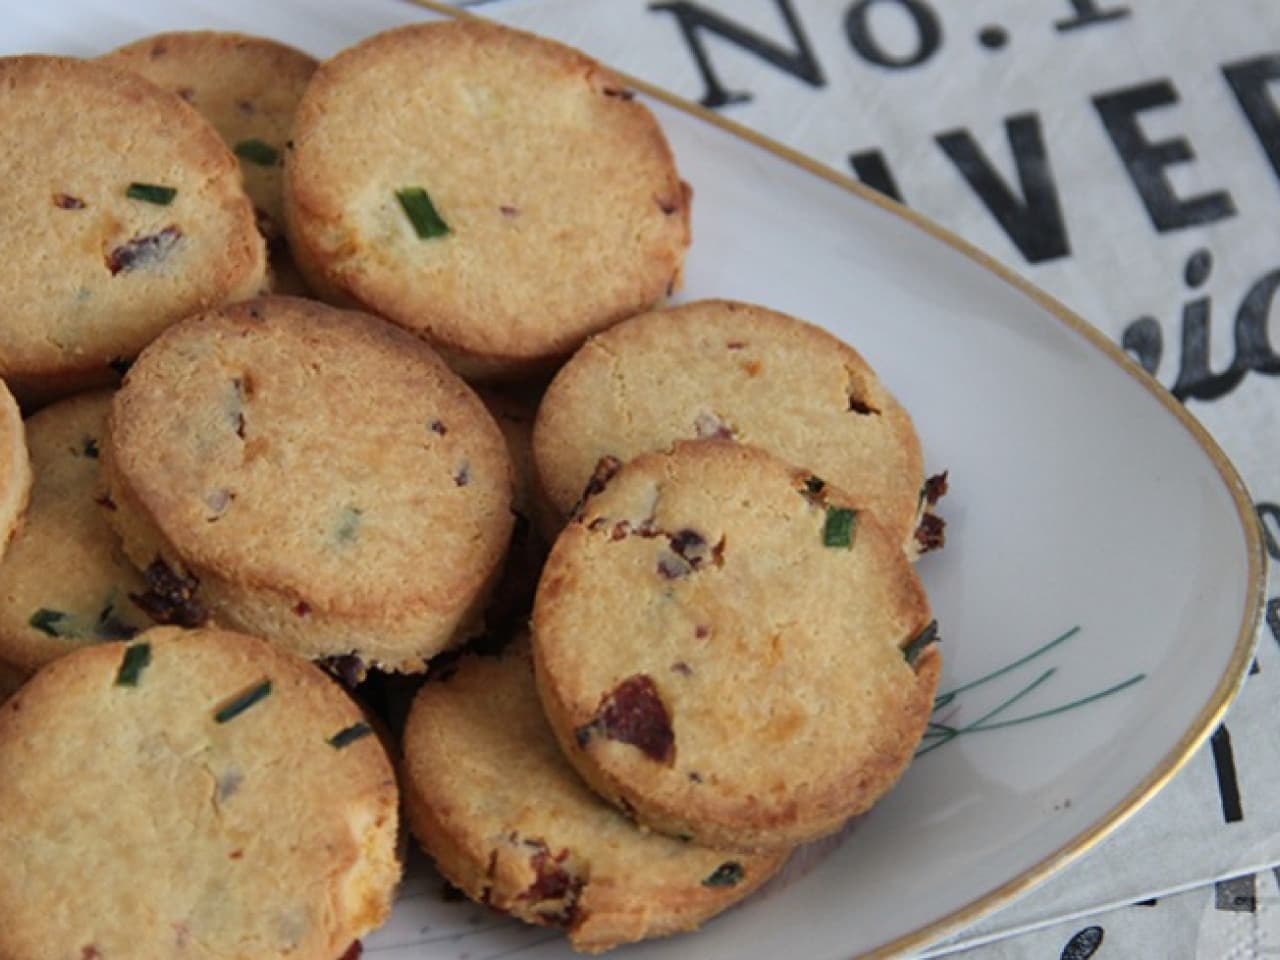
[(1082, 497)]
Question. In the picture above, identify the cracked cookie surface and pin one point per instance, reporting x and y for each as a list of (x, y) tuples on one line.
[(489, 795), (727, 646), (728, 370), (314, 476), (243, 760)]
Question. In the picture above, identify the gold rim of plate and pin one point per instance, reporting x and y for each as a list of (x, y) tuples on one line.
[(1233, 677)]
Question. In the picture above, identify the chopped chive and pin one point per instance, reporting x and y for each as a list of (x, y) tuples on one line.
[(417, 206), (257, 151), (728, 874), (137, 657), (838, 530), (344, 738), (929, 635), (348, 524), (151, 193), (243, 702), (49, 621)]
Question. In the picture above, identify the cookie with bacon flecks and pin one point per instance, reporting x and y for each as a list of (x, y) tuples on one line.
[(769, 666), (121, 210), (513, 826), (15, 467), (245, 758)]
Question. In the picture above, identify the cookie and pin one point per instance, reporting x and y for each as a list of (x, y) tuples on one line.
[(65, 582), (243, 762), (733, 649), (11, 679), (310, 475), (122, 211), (489, 796), (15, 467), (716, 368), (498, 193), (248, 88)]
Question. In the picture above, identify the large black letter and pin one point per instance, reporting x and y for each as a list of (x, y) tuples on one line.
[(1249, 80), (1033, 221), (1146, 161), (871, 169), (692, 18), (1087, 14), (928, 34)]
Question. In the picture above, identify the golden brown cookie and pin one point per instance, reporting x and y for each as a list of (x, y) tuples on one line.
[(500, 194), (65, 581), (717, 368), (121, 211), (733, 649), (248, 88), (218, 797), (15, 468), (491, 798), (314, 476)]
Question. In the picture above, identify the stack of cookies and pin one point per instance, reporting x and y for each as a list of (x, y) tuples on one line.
[(623, 592)]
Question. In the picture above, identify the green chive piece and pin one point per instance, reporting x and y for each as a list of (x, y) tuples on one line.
[(838, 530), (348, 524), (151, 193), (137, 657), (49, 621), (257, 151), (344, 738), (427, 223), (925, 638), (728, 874), (243, 702)]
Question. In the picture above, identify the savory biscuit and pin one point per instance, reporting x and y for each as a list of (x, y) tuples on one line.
[(489, 795), (500, 194), (15, 468), (248, 88), (733, 649), (65, 581), (191, 793), (310, 475), (122, 211), (716, 368)]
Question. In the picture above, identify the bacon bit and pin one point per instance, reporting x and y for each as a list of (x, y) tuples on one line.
[(354, 951), (606, 468), (695, 777), (143, 250), (931, 533), (634, 713), (105, 501), (302, 608), (701, 632), (170, 598), (752, 367), (683, 668), (66, 201), (246, 107), (735, 344), (509, 211), (438, 427), (90, 953), (237, 854), (935, 488)]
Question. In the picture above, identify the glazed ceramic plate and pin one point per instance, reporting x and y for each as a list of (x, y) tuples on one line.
[(1097, 596)]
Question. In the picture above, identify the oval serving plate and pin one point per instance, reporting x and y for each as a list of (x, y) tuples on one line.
[(1102, 582)]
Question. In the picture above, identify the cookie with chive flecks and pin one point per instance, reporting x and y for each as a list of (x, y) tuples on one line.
[(249, 761), (65, 582), (122, 211), (15, 468), (500, 194), (248, 88), (314, 476), (515, 828), (719, 368), (770, 664)]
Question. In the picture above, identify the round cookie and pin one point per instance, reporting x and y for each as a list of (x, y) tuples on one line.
[(314, 476), (248, 88), (489, 795), (716, 368), (509, 201), (192, 792), (122, 212), (732, 649), (15, 467), (65, 581)]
